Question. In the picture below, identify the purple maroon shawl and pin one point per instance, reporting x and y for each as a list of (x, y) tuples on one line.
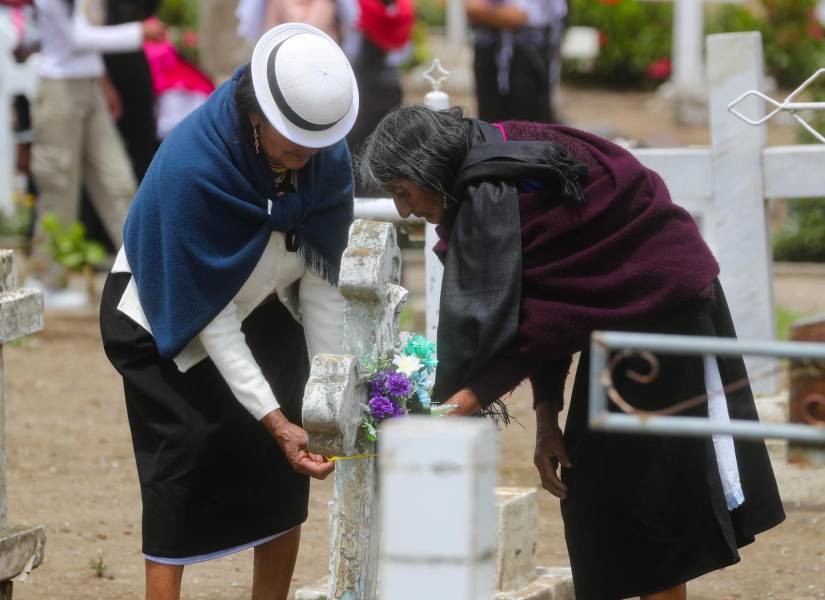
[(625, 255)]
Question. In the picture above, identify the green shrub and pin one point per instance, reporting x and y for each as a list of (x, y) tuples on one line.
[(793, 40), (182, 17), (634, 36), (179, 13), (431, 12), (785, 318), (70, 248), (421, 54), (17, 224), (801, 237)]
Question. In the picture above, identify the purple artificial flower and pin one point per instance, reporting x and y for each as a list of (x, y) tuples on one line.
[(398, 385), (378, 384), (381, 407)]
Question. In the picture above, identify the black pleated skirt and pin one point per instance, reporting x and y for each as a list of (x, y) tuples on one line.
[(211, 476), (645, 513)]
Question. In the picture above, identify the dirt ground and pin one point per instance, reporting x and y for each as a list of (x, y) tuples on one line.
[(71, 468)]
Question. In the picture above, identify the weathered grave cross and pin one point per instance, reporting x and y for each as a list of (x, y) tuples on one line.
[(21, 313), (332, 415), (335, 395)]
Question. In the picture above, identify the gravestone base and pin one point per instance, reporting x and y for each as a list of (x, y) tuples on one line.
[(550, 583), (517, 577), (21, 549), (315, 591)]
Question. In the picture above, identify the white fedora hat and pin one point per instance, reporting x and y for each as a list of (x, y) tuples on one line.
[(305, 85)]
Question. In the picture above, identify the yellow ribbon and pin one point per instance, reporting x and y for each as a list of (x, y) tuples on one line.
[(353, 457)]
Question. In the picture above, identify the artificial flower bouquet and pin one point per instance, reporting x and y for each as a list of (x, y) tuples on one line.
[(400, 382)]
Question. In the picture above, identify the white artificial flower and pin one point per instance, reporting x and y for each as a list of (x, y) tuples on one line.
[(407, 364)]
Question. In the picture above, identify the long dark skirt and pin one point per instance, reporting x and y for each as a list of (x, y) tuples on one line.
[(211, 476), (645, 513)]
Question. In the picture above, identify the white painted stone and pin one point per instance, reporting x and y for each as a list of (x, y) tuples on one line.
[(734, 66), (434, 272), (438, 508), (517, 535)]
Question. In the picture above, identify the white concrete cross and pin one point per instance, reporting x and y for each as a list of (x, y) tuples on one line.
[(14, 79), (334, 400), (21, 313)]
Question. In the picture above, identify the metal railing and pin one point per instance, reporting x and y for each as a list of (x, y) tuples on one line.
[(639, 421)]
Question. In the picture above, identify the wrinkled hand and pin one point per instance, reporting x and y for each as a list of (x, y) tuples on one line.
[(465, 403), (550, 452), (293, 441)]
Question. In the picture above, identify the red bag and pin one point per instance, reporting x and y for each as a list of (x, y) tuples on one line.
[(388, 26)]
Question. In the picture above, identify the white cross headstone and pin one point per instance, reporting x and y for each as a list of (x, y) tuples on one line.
[(334, 400), (21, 313)]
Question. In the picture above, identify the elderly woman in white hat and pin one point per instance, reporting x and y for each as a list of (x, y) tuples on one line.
[(225, 286)]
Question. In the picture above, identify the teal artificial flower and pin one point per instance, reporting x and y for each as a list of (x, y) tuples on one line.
[(420, 347)]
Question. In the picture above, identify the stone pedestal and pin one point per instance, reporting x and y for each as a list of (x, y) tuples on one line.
[(438, 509), (517, 577)]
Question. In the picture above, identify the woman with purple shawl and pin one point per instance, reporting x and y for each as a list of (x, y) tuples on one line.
[(548, 234)]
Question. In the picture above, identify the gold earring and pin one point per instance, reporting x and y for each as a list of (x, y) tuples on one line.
[(257, 140)]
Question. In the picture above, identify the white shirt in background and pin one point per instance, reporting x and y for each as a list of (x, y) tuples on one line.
[(71, 47)]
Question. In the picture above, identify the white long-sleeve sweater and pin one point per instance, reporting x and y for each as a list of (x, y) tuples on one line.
[(71, 47), (317, 304)]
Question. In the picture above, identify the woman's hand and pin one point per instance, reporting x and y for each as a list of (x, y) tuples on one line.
[(550, 450), (112, 98), (294, 443), (466, 403), (154, 30)]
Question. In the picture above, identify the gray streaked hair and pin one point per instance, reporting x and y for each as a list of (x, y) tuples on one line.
[(417, 144)]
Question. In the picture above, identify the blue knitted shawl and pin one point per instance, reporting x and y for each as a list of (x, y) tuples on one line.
[(205, 212)]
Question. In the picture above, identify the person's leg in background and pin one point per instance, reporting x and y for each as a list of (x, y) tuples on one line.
[(529, 97), (58, 115), (490, 100), (106, 171)]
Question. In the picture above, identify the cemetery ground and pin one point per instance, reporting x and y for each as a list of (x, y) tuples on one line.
[(71, 467)]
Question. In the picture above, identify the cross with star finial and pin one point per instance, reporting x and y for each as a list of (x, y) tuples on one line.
[(436, 74)]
